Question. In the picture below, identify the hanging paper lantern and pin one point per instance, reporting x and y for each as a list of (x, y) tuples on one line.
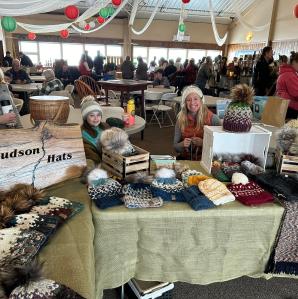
[(295, 11), (9, 24), (116, 2), (104, 12), (181, 27), (100, 20), (92, 24), (87, 27), (82, 24), (72, 12), (111, 10), (185, 1), (64, 33), (31, 36)]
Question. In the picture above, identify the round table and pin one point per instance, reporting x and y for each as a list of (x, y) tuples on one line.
[(49, 98), (37, 78)]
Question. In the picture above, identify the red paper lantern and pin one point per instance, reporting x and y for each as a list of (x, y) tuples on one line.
[(87, 27), (100, 20), (31, 36), (116, 2), (72, 12), (64, 33), (295, 11), (185, 1)]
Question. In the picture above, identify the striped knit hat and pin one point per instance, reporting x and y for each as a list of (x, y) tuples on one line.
[(238, 115), (166, 186), (105, 192)]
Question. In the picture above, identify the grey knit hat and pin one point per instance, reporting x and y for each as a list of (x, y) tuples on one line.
[(89, 105)]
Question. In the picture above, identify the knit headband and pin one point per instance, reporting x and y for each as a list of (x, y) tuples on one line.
[(191, 89)]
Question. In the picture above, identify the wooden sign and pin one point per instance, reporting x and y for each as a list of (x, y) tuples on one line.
[(42, 156)]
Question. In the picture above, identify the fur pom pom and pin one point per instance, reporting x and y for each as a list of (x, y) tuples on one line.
[(97, 174), (285, 138), (239, 178), (6, 214), (18, 275), (165, 173), (114, 139), (27, 192), (139, 177), (242, 93), (18, 203)]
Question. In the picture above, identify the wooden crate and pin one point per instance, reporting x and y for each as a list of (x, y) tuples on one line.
[(286, 164), (121, 166)]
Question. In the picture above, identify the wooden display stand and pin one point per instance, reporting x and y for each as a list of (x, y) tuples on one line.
[(41, 156), (286, 164), (121, 166)]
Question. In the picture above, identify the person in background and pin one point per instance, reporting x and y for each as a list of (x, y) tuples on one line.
[(178, 64), (109, 71), (65, 75), (98, 64), (283, 59), (51, 83), (153, 62), (127, 69), (204, 74), (185, 64), (89, 60), (191, 72), (141, 71), (160, 80), (92, 128), (84, 67), (16, 75), (170, 70), (7, 60), (25, 60), (189, 129), (287, 84), (261, 79)]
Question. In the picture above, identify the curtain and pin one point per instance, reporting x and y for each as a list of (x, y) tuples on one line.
[(30, 7), (233, 48), (285, 47)]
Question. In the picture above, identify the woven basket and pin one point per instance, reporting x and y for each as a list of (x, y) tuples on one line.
[(49, 109)]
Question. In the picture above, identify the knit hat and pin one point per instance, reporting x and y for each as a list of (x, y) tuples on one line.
[(250, 193), (196, 179), (105, 192), (196, 199), (238, 115), (166, 186), (250, 168), (191, 89), (89, 105), (216, 191), (139, 195), (229, 168), (48, 74), (186, 174), (217, 172)]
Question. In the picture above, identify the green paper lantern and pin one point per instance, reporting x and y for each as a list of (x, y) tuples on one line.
[(111, 10), (9, 24), (181, 27), (104, 12)]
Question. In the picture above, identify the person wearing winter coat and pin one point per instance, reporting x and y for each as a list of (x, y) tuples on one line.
[(287, 84)]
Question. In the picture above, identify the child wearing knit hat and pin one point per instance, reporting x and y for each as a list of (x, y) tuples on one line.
[(189, 129), (92, 128), (238, 115)]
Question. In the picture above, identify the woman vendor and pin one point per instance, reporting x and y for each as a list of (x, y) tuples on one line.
[(189, 129)]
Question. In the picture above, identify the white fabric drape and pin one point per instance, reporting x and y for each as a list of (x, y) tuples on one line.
[(180, 34), (31, 7), (220, 41), (133, 12), (149, 21)]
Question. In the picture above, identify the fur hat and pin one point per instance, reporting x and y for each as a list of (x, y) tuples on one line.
[(191, 89), (105, 192), (116, 141), (238, 115), (166, 186), (89, 105), (239, 178)]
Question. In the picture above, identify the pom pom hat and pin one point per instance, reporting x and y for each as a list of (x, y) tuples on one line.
[(191, 89), (89, 105), (238, 114)]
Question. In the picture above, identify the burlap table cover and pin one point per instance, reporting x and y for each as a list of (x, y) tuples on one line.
[(175, 243), (69, 255)]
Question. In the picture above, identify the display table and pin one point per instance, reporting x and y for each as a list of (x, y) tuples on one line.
[(176, 243), (30, 87)]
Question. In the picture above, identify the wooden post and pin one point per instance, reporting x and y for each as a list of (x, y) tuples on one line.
[(272, 22)]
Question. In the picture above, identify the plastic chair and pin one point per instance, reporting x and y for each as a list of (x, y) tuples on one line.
[(69, 88)]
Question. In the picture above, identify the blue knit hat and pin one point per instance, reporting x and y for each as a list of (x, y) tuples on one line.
[(105, 192), (166, 186)]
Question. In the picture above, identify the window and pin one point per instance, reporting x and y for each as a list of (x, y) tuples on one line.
[(158, 53), (49, 52), (114, 50), (33, 57), (72, 53), (140, 51), (176, 53), (92, 50), (213, 53), (196, 54), (28, 47)]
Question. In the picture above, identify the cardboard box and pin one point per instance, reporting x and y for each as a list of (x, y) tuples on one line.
[(258, 106), (218, 141), (160, 161)]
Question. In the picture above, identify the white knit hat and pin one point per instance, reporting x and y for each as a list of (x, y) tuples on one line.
[(89, 105), (191, 89)]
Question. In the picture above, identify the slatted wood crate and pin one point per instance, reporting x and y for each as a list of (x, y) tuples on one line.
[(286, 164), (121, 166)]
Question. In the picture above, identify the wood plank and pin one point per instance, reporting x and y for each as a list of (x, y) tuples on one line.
[(42, 156), (136, 167)]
